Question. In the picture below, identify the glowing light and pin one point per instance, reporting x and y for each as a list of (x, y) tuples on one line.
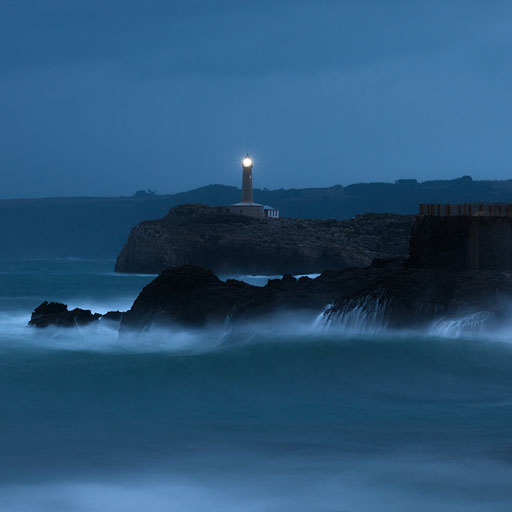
[(247, 162)]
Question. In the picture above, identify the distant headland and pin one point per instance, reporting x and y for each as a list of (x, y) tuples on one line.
[(98, 227)]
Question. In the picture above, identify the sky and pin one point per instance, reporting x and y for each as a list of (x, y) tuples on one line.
[(107, 97)]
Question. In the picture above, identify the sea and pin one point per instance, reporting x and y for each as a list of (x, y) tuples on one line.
[(291, 414)]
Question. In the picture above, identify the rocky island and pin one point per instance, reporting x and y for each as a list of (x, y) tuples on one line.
[(228, 243)]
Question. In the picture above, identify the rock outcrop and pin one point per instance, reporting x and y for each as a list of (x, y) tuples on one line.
[(400, 296), (192, 296), (403, 297), (412, 297), (227, 243), (58, 314)]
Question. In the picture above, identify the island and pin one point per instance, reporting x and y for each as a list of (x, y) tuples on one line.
[(230, 243)]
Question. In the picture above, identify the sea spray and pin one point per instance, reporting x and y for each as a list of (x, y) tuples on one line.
[(474, 324), (360, 315), (285, 423)]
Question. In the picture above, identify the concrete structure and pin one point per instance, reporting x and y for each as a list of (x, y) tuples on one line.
[(470, 236), (247, 206), (467, 209)]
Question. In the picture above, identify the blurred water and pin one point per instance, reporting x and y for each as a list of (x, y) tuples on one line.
[(286, 416)]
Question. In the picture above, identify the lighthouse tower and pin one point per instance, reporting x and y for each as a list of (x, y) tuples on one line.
[(247, 206), (247, 180)]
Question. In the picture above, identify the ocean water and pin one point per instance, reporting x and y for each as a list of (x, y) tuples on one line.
[(290, 415)]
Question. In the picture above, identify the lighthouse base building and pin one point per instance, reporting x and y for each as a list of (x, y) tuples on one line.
[(249, 209), (247, 206), (254, 210)]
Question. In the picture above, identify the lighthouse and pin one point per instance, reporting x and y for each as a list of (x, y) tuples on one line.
[(247, 206), (247, 180)]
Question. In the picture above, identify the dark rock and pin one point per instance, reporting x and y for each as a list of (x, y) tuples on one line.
[(192, 296), (56, 313), (458, 243), (439, 242), (212, 237), (289, 280), (112, 316), (186, 295), (416, 296)]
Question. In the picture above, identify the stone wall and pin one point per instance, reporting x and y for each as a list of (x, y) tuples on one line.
[(461, 243)]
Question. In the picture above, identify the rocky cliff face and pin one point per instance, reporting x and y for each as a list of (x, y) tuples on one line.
[(214, 238)]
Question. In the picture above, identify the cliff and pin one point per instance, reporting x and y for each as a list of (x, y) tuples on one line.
[(214, 238)]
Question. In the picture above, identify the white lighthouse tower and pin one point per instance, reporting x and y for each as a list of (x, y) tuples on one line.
[(247, 206)]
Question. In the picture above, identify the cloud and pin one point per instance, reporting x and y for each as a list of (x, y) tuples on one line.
[(113, 96), (228, 37)]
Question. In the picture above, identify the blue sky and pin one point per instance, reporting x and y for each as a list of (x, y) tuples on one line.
[(108, 97)]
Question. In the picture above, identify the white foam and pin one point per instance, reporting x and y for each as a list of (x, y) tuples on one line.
[(311, 276), (472, 324), (365, 315)]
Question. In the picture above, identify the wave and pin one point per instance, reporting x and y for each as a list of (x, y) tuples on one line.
[(283, 415), (362, 315), (361, 319), (362, 326), (368, 315), (296, 412), (474, 324), (301, 379)]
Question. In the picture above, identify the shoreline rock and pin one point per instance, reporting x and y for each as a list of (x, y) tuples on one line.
[(415, 297), (387, 291), (58, 314)]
